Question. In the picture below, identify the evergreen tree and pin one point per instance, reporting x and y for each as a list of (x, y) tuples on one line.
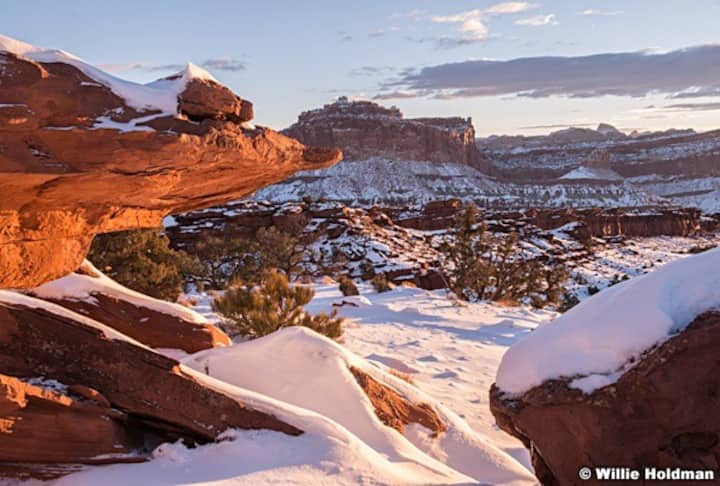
[(143, 261), (258, 311)]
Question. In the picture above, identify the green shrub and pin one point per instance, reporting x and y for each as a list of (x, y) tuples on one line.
[(347, 286), (484, 266), (143, 261), (274, 304)]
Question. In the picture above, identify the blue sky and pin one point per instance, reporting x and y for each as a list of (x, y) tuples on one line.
[(289, 56)]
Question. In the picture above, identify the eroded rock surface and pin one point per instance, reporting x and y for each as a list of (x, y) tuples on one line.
[(152, 389), (363, 130), (660, 413), (394, 410), (76, 160), (157, 324)]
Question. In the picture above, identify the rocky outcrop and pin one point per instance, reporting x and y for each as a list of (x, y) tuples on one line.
[(660, 413), (365, 130), (155, 323), (394, 410), (37, 339), (35, 420), (205, 99), (78, 157)]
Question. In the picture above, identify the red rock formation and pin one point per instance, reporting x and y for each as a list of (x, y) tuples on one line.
[(394, 410), (68, 170), (38, 424), (132, 314), (364, 130), (153, 390), (661, 413)]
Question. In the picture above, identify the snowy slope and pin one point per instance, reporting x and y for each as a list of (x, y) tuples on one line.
[(595, 340), (305, 369), (159, 95), (381, 181)]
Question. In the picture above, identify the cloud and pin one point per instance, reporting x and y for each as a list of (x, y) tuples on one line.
[(472, 24), (224, 64), (623, 74), (163, 67), (377, 33), (710, 106), (395, 95), (554, 126), (538, 20), (122, 67), (370, 71), (599, 13)]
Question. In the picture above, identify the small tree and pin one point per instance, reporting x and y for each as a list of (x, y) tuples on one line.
[(256, 312), (143, 261), (347, 286), (484, 266)]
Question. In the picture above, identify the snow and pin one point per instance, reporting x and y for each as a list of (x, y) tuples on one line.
[(13, 298), (308, 370), (594, 341), (592, 174), (159, 95), (76, 286)]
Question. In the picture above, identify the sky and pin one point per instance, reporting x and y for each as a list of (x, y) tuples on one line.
[(514, 67)]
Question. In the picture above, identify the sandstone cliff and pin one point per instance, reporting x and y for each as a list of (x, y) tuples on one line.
[(82, 152), (365, 130)]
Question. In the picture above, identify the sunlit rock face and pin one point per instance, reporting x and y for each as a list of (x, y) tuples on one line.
[(81, 155), (365, 130)]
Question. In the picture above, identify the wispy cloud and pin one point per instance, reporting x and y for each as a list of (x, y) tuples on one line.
[(370, 71), (224, 64), (599, 13), (538, 20), (472, 24), (218, 64), (636, 74), (710, 106)]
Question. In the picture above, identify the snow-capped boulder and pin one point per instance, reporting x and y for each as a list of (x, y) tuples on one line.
[(153, 322), (629, 377), (85, 152)]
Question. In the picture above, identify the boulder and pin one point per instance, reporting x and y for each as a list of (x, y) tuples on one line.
[(157, 394), (660, 413), (39, 425), (68, 141), (204, 99), (153, 322)]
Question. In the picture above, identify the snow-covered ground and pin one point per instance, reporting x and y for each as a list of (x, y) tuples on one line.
[(449, 350)]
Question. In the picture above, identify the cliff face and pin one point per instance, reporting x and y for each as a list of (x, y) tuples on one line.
[(365, 130), (83, 153)]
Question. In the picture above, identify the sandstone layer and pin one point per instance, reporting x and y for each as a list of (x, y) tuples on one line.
[(157, 324), (365, 130), (153, 390), (656, 415), (76, 160)]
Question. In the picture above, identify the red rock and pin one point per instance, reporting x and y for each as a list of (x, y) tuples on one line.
[(363, 130), (56, 173), (661, 413), (394, 410), (41, 426), (120, 308), (153, 390), (205, 99)]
